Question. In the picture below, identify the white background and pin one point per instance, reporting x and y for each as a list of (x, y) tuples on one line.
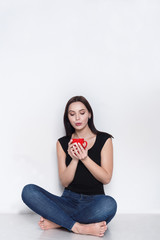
[(107, 51)]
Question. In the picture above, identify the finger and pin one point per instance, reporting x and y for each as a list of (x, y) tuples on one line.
[(77, 150), (69, 148), (72, 151), (73, 144), (74, 154), (70, 141), (81, 148)]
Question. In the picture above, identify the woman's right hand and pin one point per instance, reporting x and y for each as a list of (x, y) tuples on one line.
[(71, 151)]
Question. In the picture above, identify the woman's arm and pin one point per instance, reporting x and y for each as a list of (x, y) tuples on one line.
[(102, 173), (66, 173)]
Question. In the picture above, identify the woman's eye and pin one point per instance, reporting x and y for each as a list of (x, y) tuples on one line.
[(82, 113)]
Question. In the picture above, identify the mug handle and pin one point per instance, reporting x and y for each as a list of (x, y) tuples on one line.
[(85, 144)]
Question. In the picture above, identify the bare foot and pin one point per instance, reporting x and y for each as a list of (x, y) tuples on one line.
[(96, 229), (46, 224)]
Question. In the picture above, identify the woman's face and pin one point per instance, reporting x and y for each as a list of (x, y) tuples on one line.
[(78, 115)]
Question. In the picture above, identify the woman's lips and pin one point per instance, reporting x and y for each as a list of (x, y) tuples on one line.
[(78, 124)]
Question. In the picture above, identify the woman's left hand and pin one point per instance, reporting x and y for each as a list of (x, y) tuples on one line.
[(81, 153)]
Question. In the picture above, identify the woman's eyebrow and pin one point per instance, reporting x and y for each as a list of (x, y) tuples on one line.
[(79, 110)]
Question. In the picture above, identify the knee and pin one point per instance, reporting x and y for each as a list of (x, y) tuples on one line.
[(109, 205), (27, 191), (114, 205)]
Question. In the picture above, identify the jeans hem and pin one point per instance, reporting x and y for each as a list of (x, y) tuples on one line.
[(71, 227)]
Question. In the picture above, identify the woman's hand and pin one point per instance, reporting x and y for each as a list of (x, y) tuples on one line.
[(76, 151), (71, 151), (80, 152)]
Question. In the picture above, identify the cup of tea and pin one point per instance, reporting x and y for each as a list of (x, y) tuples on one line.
[(81, 141)]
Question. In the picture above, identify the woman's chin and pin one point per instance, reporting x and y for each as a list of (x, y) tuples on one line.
[(79, 128)]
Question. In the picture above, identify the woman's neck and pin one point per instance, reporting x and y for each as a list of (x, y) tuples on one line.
[(84, 133)]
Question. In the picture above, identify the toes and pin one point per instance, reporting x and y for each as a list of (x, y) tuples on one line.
[(103, 228), (103, 223), (41, 225), (101, 234)]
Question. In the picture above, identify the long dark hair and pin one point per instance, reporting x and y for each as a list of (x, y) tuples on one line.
[(68, 127)]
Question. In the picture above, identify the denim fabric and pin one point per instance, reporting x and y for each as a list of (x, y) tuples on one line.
[(70, 207)]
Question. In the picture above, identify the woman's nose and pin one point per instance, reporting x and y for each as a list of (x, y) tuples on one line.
[(77, 116)]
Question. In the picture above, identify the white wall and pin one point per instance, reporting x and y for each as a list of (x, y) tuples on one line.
[(107, 51)]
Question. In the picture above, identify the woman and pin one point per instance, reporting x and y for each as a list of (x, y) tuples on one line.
[(83, 206)]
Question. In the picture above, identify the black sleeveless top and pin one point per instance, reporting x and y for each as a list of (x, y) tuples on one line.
[(84, 182)]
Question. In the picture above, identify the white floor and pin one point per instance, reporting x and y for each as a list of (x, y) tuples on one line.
[(122, 227)]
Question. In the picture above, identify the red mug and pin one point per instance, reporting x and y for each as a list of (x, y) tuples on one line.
[(81, 141)]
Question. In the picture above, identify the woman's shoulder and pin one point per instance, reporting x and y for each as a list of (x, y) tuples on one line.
[(64, 142), (64, 139), (102, 138), (104, 134)]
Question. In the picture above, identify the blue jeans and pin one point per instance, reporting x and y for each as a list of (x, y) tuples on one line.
[(70, 207)]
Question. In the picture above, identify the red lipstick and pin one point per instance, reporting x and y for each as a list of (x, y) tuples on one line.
[(78, 124)]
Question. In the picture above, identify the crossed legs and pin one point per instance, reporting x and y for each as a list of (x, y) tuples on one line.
[(59, 212)]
